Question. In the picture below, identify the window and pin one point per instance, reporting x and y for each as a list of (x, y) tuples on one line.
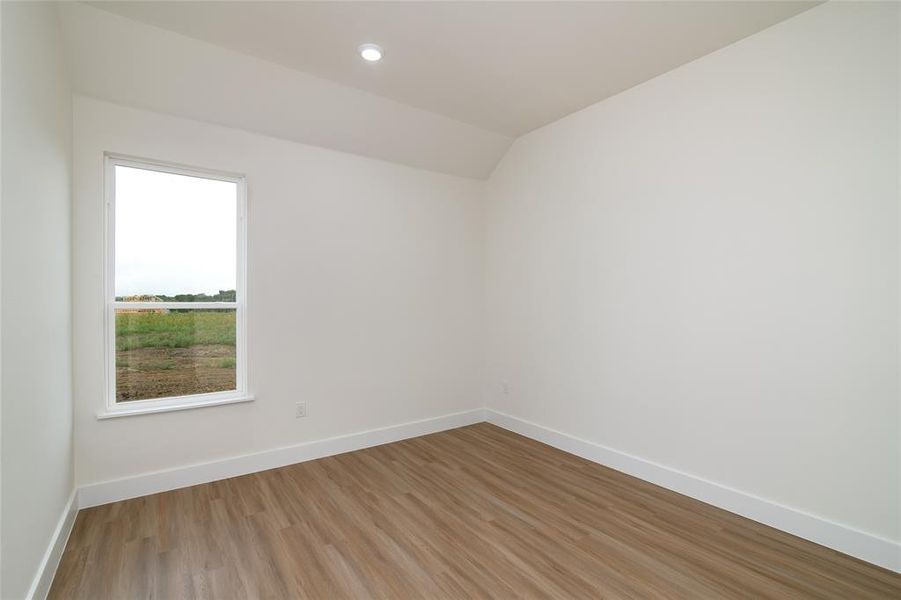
[(174, 287)]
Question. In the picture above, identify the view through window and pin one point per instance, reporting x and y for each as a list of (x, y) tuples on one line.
[(176, 297)]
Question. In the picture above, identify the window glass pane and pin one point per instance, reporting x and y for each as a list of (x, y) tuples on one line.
[(176, 237), (161, 352)]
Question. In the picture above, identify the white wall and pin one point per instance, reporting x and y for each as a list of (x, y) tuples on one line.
[(124, 61), (703, 271), (364, 290), (35, 324)]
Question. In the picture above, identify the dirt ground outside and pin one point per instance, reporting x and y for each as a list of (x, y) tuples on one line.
[(162, 353), (145, 373)]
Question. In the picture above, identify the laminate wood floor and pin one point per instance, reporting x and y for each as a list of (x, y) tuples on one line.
[(475, 512)]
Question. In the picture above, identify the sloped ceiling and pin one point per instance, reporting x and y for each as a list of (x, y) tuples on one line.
[(129, 63), (458, 82)]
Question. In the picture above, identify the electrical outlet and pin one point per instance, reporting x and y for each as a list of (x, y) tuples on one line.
[(505, 388), (300, 410)]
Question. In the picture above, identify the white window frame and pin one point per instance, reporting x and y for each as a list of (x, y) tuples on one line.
[(171, 403)]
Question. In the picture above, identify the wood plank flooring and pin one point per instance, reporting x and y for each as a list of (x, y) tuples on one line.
[(476, 512)]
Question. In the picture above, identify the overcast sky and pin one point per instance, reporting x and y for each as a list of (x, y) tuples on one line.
[(174, 234)]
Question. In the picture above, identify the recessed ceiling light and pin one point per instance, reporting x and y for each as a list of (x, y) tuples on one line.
[(370, 52)]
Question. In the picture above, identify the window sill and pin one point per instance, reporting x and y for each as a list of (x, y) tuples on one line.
[(130, 411)]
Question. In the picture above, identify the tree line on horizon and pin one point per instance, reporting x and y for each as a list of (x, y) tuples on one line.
[(222, 296)]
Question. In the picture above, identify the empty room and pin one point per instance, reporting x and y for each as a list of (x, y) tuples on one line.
[(450, 300)]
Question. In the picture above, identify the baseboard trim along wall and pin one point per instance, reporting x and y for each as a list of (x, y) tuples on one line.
[(865, 546), (49, 563), (104, 492)]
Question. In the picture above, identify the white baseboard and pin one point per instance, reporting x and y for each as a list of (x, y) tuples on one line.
[(865, 546), (160, 481), (40, 586)]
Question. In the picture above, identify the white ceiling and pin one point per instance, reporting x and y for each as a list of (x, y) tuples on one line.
[(137, 65), (506, 67)]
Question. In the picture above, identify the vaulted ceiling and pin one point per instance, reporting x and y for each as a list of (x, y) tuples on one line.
[(470, 76)]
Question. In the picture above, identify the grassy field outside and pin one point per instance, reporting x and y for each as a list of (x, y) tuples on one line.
[(160, 354)]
